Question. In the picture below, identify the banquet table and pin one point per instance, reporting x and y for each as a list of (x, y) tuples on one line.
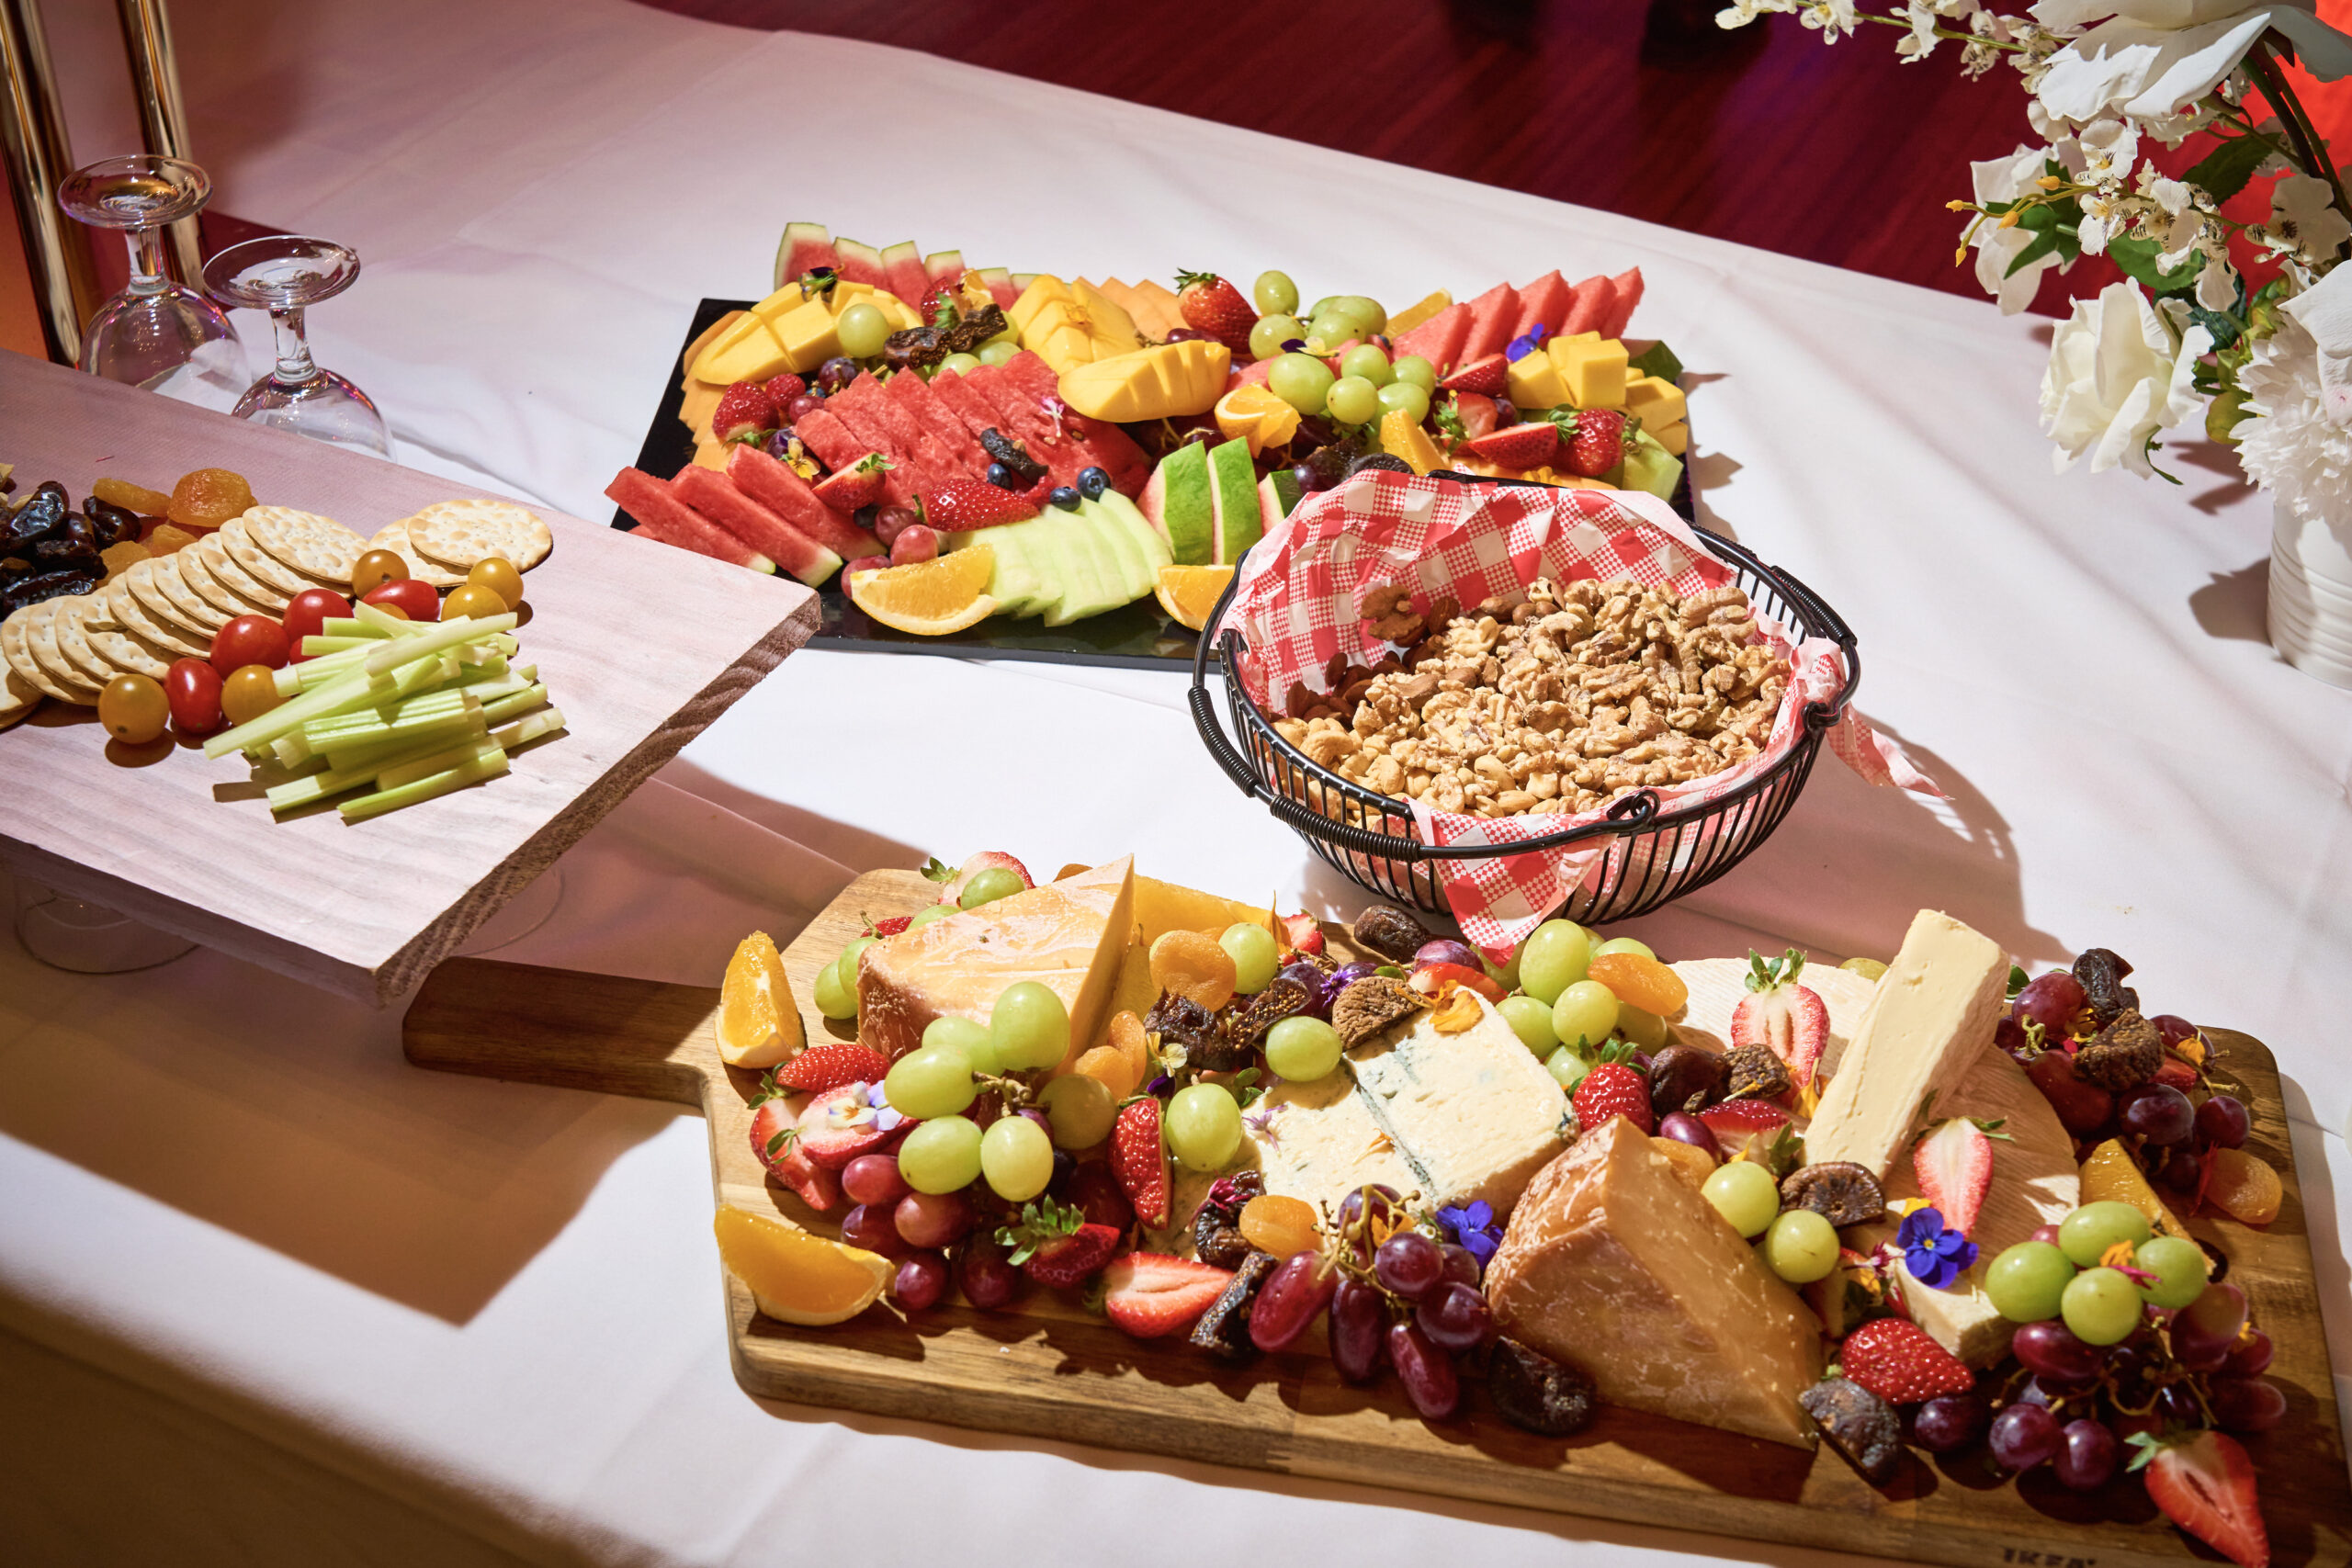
[(269, 1294)]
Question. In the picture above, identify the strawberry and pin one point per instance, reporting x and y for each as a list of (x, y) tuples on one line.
[(1954, 1165), (2204, 1484), (1212, 305), (890, 926), (744, 408), (1139, 1159), (961, 505), (1303, 932), (838, 1125), (1055, 1246), (782, 390), (1787, 1019), (1477, 414), (953, 881), (1737, 1123), (1613, 1088), (1597, 444), (1897, 1361), (776, 1143), (2175, 1073), (829, 1065), (1490, 377), (857, 485), (1519, 447), (1149, 1295)]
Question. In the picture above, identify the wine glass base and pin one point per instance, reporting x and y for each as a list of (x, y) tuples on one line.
[(326, 408), (519, 915), (70, 933), (171, 340)]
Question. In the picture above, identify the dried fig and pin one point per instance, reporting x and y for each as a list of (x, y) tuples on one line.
[(1838, 1191)]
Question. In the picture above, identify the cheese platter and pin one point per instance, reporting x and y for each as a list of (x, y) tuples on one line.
[(1645, 1350)]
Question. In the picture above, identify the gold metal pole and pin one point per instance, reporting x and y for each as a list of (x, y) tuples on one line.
[(32, 137), (163, 118)]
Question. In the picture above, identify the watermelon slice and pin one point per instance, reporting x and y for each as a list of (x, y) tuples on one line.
[(902, 267), (1492, 315), (957, 395), (1022, 416), (867, 422), (1596, 300), (860, 264), (940, 423), (1438, 340), (715, 496), (837, 446), (772, 483), (1543, 303), (944, 269), (1097, 443), (1628, 284), (804, 248), (1257, 372), (864, 399), (999, 285), (663, 517)]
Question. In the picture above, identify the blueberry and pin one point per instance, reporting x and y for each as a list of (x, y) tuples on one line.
[(1064, 497), (1093, 482), (1003, 477)]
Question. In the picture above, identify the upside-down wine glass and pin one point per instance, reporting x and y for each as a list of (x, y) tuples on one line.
[(156, 334), (284, 275)]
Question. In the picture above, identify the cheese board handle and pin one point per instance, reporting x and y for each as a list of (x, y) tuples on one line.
[(564, 1027)]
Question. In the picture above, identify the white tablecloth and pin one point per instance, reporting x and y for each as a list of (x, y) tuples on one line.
[(317, 1302)]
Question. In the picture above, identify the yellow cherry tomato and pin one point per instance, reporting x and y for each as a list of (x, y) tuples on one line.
[(374, 570), (134, 709), (250, 693), (473, 599), (498, 574)]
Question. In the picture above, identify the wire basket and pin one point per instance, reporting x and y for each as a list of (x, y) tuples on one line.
[(1653, 856)]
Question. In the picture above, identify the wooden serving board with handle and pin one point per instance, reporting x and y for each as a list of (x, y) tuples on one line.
[(1050, 1370)]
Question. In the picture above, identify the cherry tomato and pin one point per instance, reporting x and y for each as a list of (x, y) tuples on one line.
[(133, 709), (414, 597), (249, 694), (498, 574), (192, 687), (249, 639), (472, 599), (308, 615), (375, 568)]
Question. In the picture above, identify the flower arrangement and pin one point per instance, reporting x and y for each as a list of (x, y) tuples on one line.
[(2270, 362)]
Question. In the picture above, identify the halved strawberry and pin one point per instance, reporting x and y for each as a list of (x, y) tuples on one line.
[(1139, 1159), (1954, 1165), (1898, 1361), (2204, 1484), (831, 1065), (1490, 377), (1149, 1295), (776, 1143), (857, 485), (1737, 1123), (1519, 447), (1055, 1246), (2175, 1073), (960, 505), (953, 882), (890, 926), (1303, 932), (1787, 1019), (744, 408), (1477, 414), (838, 1125)]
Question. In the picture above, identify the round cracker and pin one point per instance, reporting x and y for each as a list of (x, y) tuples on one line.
[(259, 562), (251, 592), (135, 618), (457, 534), (393, 537), (18, 697), (19, 654), (319, 547), (70, 629), (124, 652), (197, 570), (168, 594), (41, 640)]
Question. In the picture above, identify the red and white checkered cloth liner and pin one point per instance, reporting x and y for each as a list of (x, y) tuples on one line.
[(1303, 588)]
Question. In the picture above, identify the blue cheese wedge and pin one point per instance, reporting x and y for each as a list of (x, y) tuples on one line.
[(1315, 1142), (1474, 1115)]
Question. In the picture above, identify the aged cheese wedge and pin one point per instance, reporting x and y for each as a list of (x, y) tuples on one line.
[(1927, 1024), (1616, 1264), (1069, 936), (1473, 1115)]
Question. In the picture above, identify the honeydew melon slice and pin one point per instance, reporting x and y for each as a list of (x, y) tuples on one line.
[(1095, 581), (1136, 574), (1176, 503), (1124, 513), (1233, 492), (1014, 583)]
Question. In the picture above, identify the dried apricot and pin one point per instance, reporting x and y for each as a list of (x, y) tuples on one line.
[(1272, 1222), (1128, 1038), (205, 498), (1107, 1066), (1644, 982), (132, 498), (171, 536), (1195, 967), (2243, 1187)]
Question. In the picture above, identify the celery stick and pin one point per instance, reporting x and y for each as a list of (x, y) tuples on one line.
[(316, 646), (486, 765), (291, 679), (314, 788), (364, 757), (442, 636), (369, 724), (352, 625), (290, 714), (525, 730), (384, 622), (500, 709), (340, 750), (507, 643), (448, 757)]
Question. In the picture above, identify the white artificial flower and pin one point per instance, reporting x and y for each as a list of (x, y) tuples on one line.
[(1832, 18), (2109, 149), (1920, 41), (2006, 179), (2294, 445), (2153, 57), (2302, 211), (2216, 285), (2324, 310), (2115, 378), (2171, 195), (2044, 125)]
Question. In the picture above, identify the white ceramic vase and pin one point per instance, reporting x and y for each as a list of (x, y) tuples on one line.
[(2310, 595)]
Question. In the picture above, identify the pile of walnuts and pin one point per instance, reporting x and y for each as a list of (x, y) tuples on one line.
[(1557, 703)]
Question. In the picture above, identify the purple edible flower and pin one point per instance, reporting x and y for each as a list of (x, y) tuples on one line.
[(1474, 1228), (1526, 343), (1935, 1256), (1294, 346), (1158, 1084)]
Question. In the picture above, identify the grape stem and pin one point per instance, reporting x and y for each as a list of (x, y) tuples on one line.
[(1012, 1094)]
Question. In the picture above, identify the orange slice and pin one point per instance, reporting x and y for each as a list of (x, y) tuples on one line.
[(1188, 593), (930, 598), (795, 1277), (758, 1024), (1252, 413)]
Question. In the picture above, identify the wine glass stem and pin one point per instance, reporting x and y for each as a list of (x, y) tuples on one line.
[(295, 366), (146, 260)]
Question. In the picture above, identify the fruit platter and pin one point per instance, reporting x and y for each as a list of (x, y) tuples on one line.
[(1033, 465), (1921, 1256)]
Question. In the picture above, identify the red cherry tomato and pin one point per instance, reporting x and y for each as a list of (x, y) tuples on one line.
[(249, 639), (1429, 978), (415, 598), (193, 689), (308, 615)]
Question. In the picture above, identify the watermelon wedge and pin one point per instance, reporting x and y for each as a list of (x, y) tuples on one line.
[(864, 399), (1543, 303), (772, 483), (999, 285), (837, 446), (957, 395), (663, 517), (940, 423), (1596, 300), (944, 269), (860, 264), (1022, 416), (715, 497), (805, 246), (1438, 340), (1628, 284), (1492, 315), (902, 269), (1094, 443)]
